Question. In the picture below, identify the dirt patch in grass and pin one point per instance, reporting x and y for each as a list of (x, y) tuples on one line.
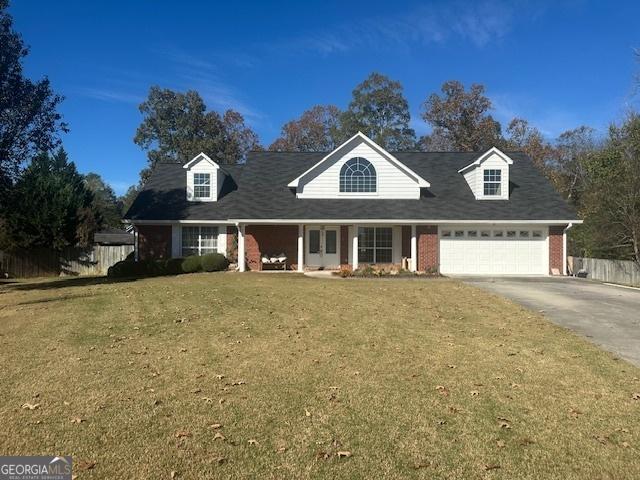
[(282, 376)]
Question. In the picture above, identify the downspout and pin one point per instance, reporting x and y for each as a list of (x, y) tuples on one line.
[(564, 248)]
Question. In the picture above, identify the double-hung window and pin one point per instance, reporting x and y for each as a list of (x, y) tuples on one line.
[(375, 245), (492, 182), (201, 185), (199, 240)]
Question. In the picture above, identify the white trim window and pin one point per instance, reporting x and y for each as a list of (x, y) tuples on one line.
[(358, 175), (375, 244), (199, 240), (201, 185), (492, 182)]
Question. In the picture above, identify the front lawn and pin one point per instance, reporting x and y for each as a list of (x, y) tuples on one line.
[(272, 375)]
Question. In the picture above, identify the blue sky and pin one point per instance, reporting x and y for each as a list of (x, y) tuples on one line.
[(558, 64)]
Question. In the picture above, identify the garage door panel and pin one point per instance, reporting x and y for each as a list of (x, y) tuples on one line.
[(501, 253)]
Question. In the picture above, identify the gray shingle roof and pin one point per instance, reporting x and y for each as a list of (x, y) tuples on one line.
[(258, 190)]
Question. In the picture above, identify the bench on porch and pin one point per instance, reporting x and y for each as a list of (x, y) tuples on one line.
[(274, 262)]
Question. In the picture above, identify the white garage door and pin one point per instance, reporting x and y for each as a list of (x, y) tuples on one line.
[(493, 251)]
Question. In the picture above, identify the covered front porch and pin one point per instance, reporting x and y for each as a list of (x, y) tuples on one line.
[(335, 245)]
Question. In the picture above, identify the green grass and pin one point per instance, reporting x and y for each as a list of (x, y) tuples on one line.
[(415, 378)]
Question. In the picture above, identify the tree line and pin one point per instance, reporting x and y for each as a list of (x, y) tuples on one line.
[(45, 202)]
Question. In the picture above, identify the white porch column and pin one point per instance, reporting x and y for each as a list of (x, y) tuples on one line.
[(300, 248), (414, 250), (241, 255), (354, 250)]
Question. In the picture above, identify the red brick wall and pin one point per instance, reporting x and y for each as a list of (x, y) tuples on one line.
[(154, 242), (344, 245), (427, 247), (556, 246), (271, 239), (406, 241), (232, 244)]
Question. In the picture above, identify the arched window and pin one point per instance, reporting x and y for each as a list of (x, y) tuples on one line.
[(357, 175)]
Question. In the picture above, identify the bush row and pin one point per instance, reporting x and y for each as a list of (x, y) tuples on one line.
[(211, 262)]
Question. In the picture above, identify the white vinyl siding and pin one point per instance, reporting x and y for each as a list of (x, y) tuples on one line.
[(475, 178), (392, 182), (216, 178), (494, 250)]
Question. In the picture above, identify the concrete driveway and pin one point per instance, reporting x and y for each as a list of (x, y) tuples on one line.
[(609, 316)]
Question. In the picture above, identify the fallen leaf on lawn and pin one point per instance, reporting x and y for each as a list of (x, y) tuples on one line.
[(182, 434), (30, 406), (441, 422), (86, 464), (219, 377), (66, 403), (475, 393), (442, 390), (174, 474), (625, 444), (491, 467), (207, 399), (451, 366), (252, 441), (636, 396), (343, 454), (505, 425), (221, 401), (216, 426), (500, 444), (182, 350), (282, 450), (219, 436), (574, 412), (77, 420), (307, 412)]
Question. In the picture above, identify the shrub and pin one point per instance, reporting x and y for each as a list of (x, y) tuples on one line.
[(345, 272), (173, 266), (122, 269), (192, 264), (214, 262)]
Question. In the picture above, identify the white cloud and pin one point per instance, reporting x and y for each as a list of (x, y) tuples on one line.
[(109, 95), (202, 75), (477, 22)]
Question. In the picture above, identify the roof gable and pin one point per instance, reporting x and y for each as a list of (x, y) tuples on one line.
[(486, 155), (200, 158), (350, 144)]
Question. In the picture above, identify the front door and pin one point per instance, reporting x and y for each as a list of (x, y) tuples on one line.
[(323, 247)]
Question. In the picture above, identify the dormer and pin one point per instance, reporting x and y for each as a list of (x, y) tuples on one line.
[(204, 179), (359, 168), (488, 175)]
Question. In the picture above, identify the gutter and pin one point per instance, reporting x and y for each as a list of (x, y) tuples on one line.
[(564, 248)]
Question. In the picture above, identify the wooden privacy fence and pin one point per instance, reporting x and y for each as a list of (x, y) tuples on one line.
[(624, 272), (70, 261)]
